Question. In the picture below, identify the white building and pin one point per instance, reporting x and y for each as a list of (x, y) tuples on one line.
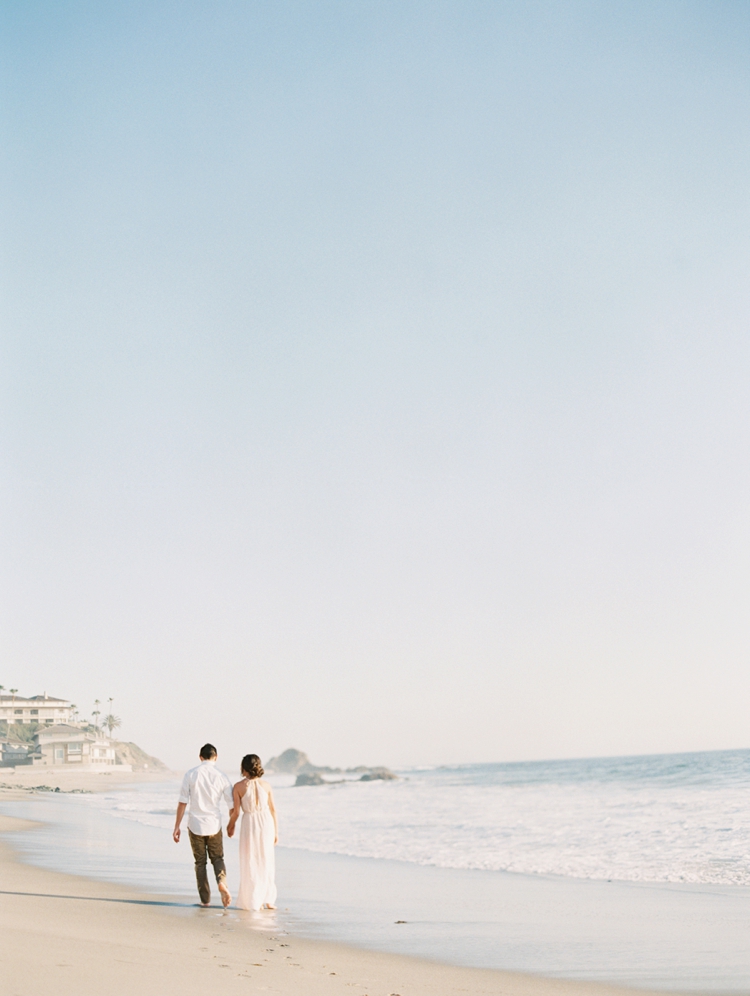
[(38, 709), (62, 745)]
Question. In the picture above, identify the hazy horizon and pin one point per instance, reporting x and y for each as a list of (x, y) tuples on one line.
[(375, 376)]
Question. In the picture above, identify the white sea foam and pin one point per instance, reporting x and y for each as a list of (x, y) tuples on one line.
[(661, 819)]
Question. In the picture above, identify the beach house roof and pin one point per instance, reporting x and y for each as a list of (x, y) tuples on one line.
[(61, 728), (36, 699), (62, 731)]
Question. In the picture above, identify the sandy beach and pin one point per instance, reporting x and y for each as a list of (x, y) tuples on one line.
[(28, 777), (76, 933)]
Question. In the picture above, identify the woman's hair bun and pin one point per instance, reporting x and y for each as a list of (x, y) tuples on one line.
[(251, 766)]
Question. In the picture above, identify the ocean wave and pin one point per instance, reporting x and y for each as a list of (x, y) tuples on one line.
[(661, 819)]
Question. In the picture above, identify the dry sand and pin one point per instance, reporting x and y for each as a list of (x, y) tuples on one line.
[(97, 781), (72, 935)]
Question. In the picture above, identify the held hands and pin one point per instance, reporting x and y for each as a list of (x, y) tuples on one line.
[(230, 829), (176, 835)]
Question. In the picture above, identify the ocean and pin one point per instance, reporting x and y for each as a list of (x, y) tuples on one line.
[(630, 869)]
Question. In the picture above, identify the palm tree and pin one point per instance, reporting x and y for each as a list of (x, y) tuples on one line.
[(112, 723), (13, 692)]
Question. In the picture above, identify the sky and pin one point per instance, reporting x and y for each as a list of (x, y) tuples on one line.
[(375, 374)]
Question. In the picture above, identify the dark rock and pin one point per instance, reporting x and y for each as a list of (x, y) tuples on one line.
[(322, 769), (378, 775), (309, 778)]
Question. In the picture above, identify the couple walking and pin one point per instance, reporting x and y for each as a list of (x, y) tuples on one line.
[(203, 788)]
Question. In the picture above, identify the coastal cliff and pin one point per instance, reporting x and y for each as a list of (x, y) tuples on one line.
[(132, 754)]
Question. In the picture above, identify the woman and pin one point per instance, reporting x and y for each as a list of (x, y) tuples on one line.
[(259, 832)]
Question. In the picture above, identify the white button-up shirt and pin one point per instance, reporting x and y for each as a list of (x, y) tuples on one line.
[(203, 789)]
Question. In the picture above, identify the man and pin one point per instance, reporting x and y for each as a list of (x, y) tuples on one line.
[(203, 789)]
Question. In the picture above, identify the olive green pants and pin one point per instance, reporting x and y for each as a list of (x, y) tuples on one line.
[(204, 848)]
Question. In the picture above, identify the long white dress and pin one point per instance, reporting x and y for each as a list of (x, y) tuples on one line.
[(257, 858)]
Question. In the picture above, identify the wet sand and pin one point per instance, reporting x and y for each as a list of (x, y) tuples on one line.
[(75, 934)]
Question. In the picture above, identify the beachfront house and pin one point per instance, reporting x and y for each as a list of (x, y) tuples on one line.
[(38, 709), (63, 745)]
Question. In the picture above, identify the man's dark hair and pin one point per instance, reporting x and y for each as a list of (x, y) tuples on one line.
[(208, 752)]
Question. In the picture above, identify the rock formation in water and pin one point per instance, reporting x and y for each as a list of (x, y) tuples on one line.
[(378, 775), (309, 779), (296, 762), (290, 762)]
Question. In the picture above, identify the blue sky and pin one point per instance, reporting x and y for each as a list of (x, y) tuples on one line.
[(375, 374)]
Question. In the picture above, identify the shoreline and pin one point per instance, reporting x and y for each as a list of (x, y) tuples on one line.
[(74, 931)]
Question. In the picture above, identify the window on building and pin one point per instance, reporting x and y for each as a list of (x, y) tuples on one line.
[(34, 712), (74, 748), (59, 754), (19, 712)]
